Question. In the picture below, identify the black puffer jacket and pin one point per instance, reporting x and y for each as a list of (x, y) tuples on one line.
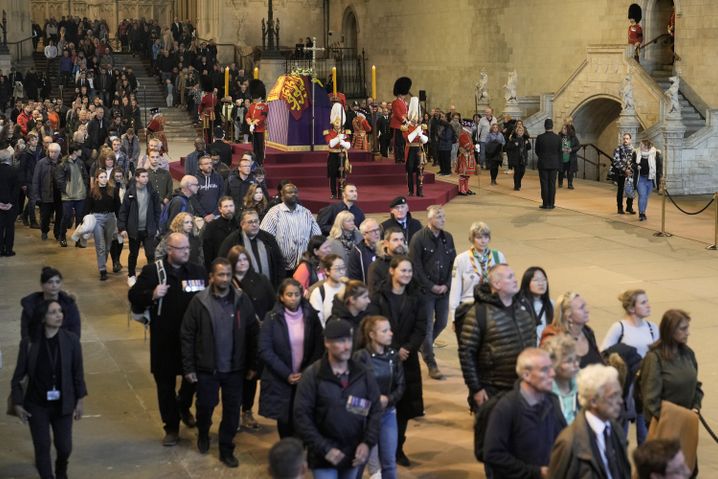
[(488, 353), (340, 311)]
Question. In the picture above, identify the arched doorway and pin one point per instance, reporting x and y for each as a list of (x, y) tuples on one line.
[(596, 123), (657, 15), (349, 29)]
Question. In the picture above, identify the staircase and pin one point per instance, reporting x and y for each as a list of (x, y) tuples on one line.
[(692, 118), (40, 62), (150, 94)]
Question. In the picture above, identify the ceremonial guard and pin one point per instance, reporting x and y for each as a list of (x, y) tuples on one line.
[(466, 162), (227, 115), (399, 111), (338, 166), (156, 128), (361, 127), (206, 113), (414, 133), (257, 118)]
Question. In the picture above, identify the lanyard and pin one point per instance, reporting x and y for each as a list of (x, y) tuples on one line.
[(53, 361)]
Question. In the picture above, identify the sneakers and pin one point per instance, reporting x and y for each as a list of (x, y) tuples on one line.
[(131, 280), (170, 439), (248, 420), (203, 444), (63, 243), (229, 460), (435, 373)]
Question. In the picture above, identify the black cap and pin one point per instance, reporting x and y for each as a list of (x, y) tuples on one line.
[(399, 200), (338, 329), (218, 132), (548, 124)]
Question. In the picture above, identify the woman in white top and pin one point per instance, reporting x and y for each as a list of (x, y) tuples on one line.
[(471, 267), (534, 289), (633, 330), (322, 296)]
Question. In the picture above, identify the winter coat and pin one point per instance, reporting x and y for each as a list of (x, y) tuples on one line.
[(433, 258), (488, 352), (184, 283), (276, 394), (215, 232), (197, 334), (43, 182), (388, 372), (573, 154), (360, 257), (259, 290), (409, 328), (322, 420), (548, 150), (237, 188), (70, 312), (127, 220), (276, 271), (517, 149)]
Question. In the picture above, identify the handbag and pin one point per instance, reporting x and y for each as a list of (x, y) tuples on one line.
[(10, 411)]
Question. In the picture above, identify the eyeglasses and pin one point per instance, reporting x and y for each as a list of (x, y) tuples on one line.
[(179, 248), (377, 230)]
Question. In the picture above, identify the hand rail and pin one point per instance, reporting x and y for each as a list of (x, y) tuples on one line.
[(664, 36), (597, 164)]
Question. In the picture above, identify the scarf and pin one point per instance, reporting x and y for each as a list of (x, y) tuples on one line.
[(262, 255)]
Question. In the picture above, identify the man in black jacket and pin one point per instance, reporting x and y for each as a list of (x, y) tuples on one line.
[(140, 218), (337, 410), (432, 252), (45, 192), (262, 248), (548, 150), (400, 217), (221, 148), (525, 422), (363, 254), (240, 180), (219, 346), (327, 215), (394, 244), (218, 229), (97, 130), (167, 291)]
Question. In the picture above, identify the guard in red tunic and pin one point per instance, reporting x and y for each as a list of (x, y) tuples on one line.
[(361, 127), (399, 111), (257, 118), (635, 32), (156, 129), (465, 163), (338, 140), (207, 115), (415, 135)]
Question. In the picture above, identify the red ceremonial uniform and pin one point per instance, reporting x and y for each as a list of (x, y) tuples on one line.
[(361, 127), (156, 126), (635, 34), (399, 111), (466, 163), (206, 106), (416, 143), (257, 115)]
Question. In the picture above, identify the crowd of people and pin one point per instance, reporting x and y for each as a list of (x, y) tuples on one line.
[(330, 316)]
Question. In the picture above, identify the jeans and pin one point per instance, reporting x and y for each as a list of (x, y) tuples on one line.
[(71, 209), (437, 315), (388, 439), (105, 227), (482, 154), (148, 244), (565, 171), (170, 402), (644, 188), (335, 473), (641, 428), (41, 419), (208, 386)]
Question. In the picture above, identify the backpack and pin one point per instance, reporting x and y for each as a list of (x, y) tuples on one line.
[(165, 214)]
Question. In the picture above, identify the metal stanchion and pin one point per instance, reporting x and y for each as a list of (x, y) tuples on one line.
[(663, 233), (714, 246)]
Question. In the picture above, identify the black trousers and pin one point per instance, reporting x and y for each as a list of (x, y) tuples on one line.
[(249, 391), (384, 145), (494, 164), (621, 182), (258, 146), (43, 418), (116, 251), (46, 211), (548, 186), (208, 387), (445, 162), (172, 401), (519, 171), (399, 145), (565, 172), (7, 229), (412, 169), (148, 244), (286, 429)]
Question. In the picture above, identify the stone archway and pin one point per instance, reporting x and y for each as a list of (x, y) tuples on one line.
[(596, 122), (655, 22), (349, 29)]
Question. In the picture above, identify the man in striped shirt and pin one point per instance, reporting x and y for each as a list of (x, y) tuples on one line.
[(292, 225)]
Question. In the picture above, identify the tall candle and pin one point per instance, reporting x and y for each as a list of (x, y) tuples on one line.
[(226, 81), (373, 82), (256, 73), (334, 80)]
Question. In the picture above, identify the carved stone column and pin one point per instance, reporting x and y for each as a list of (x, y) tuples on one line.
[(674, 169), (628, 123)]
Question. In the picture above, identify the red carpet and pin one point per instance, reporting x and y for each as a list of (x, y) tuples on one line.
[(378, 181)]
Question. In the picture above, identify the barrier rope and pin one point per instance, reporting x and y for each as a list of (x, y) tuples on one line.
[(688, 212), (705, 425)]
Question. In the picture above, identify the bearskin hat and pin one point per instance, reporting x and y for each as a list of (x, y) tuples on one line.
[(257, 89), (402, 86), (634, 12)]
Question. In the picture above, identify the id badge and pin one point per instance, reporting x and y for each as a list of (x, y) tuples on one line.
[(357, 405), (53, 395), (192, 285)]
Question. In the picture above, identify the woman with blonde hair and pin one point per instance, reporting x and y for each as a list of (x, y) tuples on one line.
[(184, 223), (571, 317), (344, 235)]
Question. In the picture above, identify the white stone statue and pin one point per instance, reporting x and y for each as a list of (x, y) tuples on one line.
[(510, 88), (672, 95), (627, 93), (481, 89)]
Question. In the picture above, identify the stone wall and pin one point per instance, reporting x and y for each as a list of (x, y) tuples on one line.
[(19, 28), (697, 44)]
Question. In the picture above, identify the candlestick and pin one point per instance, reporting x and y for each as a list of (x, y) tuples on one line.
[(373, 82), (334, 80), (226, 81), (256, 73)]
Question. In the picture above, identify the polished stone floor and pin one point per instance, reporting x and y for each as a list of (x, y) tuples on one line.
[(583, 245)]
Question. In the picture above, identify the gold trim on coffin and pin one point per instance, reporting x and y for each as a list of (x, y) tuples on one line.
[(281, 147)]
